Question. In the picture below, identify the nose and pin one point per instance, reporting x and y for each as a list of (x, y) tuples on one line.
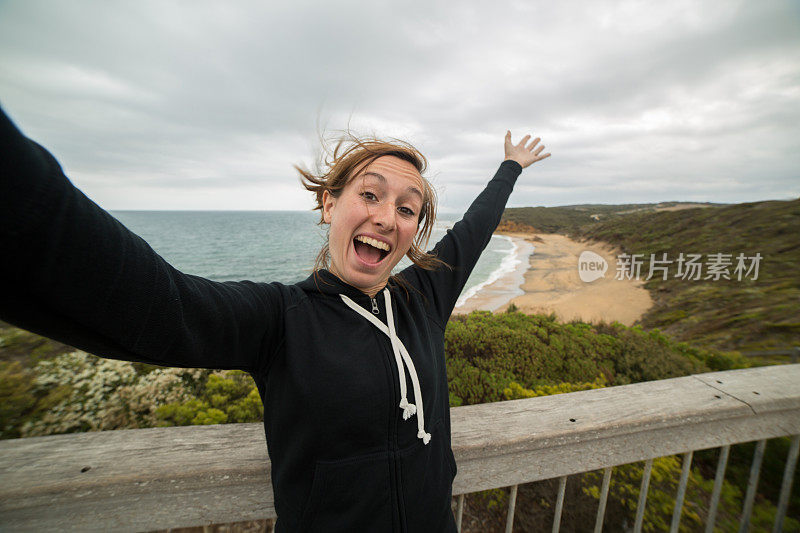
[(384, 216)]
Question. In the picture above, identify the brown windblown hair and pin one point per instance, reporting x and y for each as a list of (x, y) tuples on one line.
[(337, 168)]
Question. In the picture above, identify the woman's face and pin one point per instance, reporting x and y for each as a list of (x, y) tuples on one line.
[(382, 203)]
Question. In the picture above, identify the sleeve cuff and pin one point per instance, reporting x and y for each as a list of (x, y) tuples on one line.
[(508, 172), (511, 164)]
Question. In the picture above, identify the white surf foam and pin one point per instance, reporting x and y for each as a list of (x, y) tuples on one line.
[(508, 264)]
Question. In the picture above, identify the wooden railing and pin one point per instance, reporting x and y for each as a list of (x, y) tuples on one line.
[(149, 479), (508, 443)]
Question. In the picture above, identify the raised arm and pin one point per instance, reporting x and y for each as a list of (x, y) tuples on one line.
[(72, 272), (463, 244)]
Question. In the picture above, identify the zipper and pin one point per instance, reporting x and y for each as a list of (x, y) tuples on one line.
[(394, 447), (398, 502)]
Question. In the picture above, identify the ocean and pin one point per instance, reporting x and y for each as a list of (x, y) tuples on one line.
[(271, 245)]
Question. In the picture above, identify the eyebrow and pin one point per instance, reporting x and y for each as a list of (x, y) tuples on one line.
[(381, 178)]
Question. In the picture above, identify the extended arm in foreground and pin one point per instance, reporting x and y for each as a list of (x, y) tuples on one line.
[(72, 272)]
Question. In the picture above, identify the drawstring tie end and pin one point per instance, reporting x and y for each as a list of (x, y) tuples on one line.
[(409, 409), (426, 437)]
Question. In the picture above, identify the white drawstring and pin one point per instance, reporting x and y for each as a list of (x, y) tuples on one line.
[(400, 355), (411, 370), (409, 409)]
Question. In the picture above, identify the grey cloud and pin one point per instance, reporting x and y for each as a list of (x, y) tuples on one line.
[(636, 105)]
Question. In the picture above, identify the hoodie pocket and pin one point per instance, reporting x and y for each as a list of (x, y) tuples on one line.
[(350, 495), (427, 472)]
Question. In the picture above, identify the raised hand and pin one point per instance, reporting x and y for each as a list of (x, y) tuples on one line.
[(524, 155)]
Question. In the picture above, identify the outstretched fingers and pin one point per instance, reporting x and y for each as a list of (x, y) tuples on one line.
[(538, 151), (526, 151)]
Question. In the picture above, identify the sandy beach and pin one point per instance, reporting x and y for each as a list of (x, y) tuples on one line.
[(546, 280)]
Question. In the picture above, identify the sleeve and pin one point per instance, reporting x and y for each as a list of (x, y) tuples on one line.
[(72, 272), (463, 244)]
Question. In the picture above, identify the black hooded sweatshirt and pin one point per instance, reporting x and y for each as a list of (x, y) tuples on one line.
[(349, 451)]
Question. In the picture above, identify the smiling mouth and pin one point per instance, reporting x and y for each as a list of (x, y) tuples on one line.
[(369, 254)]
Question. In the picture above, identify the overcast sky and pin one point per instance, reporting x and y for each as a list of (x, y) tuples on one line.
[(206, 105)]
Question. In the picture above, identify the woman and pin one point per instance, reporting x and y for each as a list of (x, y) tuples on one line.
[(349, 362)]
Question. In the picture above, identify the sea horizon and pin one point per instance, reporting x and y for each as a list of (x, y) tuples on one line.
[(273, 245)]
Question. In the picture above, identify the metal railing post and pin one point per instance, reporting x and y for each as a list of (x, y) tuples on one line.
[(648, 467), (752, 484), (601, 507), (512, 503), (459, 512), (786, 485), (722, 464), (562, 487)]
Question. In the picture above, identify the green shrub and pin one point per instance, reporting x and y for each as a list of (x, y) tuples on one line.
[(485, 353), (227, 396), (624, 497), (515, 391), (16, 397)]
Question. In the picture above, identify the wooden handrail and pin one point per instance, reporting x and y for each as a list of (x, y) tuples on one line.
[(505, 443), (146, 479)]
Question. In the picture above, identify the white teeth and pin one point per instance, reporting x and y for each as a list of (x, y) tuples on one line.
[(373, 242)]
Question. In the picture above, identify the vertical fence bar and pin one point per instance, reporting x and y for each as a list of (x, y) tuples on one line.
[(512, 503), (676, 514), (648, 467), (722, 464), (562, 486), (601, 507), (786, 486), (459, 512), (752, 484)]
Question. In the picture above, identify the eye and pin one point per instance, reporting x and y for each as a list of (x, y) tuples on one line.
[(406, 211), (369, 195)]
